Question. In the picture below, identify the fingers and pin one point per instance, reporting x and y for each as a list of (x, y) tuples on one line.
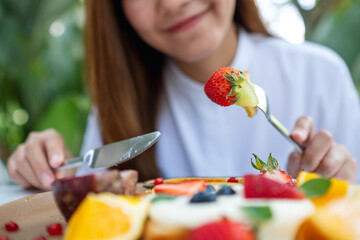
[(333, 161), (294, 164), (348, 170), (54, 147), (20, 170), (322, 154), (14, 174), (68, 172), (303, 130), (37, 160), (317, 147), (32, 162)]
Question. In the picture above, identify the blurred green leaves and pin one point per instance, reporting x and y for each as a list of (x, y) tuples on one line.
[(340, 30), (336, 24), (41, 71)]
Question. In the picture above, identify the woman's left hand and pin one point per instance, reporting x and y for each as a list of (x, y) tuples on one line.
[(322, 154)]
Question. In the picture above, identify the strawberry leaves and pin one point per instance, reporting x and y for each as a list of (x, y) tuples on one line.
[(235, 83), (269, 166)]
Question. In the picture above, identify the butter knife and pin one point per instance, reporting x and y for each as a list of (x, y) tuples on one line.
[(113, 153)]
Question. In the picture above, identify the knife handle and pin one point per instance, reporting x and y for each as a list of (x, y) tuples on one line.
[(71, 163)]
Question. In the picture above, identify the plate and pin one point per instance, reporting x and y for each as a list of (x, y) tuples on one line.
[(33, 214)]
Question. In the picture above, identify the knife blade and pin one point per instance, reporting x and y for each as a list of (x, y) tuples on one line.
[(113, 153)]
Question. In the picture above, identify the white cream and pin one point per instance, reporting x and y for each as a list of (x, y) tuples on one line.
[(179, 212), (287, 214)]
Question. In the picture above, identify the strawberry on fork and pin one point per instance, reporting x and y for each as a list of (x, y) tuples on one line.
[(228, 86)]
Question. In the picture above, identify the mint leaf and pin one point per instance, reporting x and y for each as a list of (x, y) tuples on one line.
[(316, 187), (162, 197), (260, 213)]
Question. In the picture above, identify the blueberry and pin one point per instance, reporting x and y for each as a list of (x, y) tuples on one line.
[(203, 197), (225, 190), (210, 189)]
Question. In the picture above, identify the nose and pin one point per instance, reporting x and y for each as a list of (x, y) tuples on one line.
[(171, 5)]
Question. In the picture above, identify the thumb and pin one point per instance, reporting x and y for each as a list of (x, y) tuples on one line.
[(55, 148), (302, 130), (294, 164)]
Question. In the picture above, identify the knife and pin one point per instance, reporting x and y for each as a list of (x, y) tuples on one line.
[(114, 153)]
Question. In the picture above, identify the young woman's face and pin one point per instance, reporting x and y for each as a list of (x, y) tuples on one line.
[(187, 30)]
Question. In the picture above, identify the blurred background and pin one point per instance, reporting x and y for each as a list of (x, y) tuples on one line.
[(41, 58)]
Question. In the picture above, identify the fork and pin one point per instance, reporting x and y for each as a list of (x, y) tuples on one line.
[(263, 105)]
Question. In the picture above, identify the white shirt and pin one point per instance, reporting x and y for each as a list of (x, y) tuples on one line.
[(201, 138)]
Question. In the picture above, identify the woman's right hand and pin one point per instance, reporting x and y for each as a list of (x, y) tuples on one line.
[(32, 163)]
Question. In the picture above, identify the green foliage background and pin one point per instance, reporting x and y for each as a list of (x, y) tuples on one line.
[(339, 28), (41, 74)]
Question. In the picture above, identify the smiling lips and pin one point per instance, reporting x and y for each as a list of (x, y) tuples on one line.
[(186, 24)]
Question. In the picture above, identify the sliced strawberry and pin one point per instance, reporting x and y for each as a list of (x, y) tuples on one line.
[(233, 180), (271, 170), (188, 188), (259, 186), (222, 230), (280, 176), (158, 181)]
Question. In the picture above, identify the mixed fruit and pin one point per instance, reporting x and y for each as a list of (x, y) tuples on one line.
[(125, 217), (117, 216)]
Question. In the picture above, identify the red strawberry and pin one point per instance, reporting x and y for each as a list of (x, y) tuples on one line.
[(222, 86), (271, 170), (232, 180), (158, 181), (222, 230), (188, 188), (259, 186)]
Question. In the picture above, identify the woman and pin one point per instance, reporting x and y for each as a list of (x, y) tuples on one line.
[(147, 62)]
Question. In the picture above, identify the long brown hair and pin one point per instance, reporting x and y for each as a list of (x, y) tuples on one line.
[(124, 74)]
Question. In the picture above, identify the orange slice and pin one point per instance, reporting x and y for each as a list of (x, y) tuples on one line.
[(337, 189), (340, 219), (108, 216)]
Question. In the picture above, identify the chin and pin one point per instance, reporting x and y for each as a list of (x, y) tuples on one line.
[(197, 53), (193, 58)]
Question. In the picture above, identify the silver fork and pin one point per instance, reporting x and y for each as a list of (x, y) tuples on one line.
[(263, 105)]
